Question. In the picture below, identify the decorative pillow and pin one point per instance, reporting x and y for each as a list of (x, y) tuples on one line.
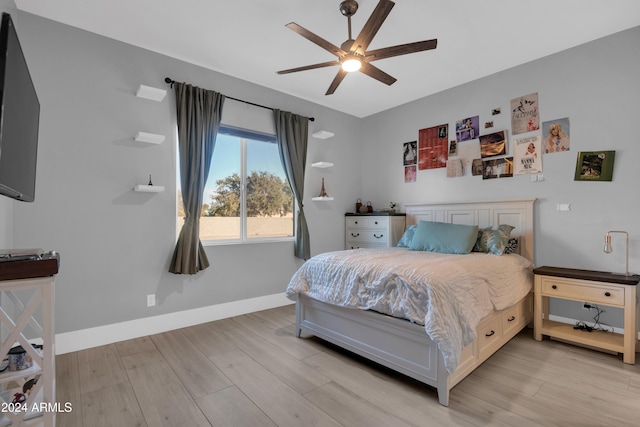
[(444, 237), (406, 238), (512, 246), (494, 241)]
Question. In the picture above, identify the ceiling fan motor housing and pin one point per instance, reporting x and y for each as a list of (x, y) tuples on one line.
[(349, 7)]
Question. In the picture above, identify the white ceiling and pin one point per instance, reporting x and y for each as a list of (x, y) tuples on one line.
[(248, 39)]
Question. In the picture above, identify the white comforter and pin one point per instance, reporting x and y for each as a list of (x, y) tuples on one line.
[(448, 294)]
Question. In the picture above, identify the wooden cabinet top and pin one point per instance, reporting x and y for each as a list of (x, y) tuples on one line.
[(596, 276)]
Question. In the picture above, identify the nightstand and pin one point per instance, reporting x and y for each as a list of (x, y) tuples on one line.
[(597, 287)]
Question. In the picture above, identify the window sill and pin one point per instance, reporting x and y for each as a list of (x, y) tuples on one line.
[(206, 243)]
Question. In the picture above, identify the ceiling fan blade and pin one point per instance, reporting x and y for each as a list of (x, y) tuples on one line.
[(372, 26), (401, 49), (316, 39), (377, 74), (336, 81), (310, 67)]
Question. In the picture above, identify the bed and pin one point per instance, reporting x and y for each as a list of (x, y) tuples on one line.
[(423, 350)]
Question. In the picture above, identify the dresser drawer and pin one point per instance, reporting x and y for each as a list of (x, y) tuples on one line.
[(367, 222), (367, 236), (583, 291)]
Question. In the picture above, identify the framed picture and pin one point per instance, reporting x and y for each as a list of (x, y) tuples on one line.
[(595, 166)]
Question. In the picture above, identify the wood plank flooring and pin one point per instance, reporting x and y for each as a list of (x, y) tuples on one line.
[(252, 371)]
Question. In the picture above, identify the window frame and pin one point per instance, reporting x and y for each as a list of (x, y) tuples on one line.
[(244, 135)]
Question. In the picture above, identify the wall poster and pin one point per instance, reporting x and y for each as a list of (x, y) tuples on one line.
[(467, 129), (433, 147), (497, 168), (493, 144), (527, 155), (410, 160), (524, 114), (557, 136)]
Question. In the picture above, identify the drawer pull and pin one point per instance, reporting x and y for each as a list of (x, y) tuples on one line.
[(355, 222), (554, 287), (607, 294), (490, 333), (355, 234), (511, 319), (377, 237), (376, 222)]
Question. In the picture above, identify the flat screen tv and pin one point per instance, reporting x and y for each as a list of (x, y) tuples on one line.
[(19, 118)]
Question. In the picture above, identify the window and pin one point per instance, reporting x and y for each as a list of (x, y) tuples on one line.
[(247, 197)]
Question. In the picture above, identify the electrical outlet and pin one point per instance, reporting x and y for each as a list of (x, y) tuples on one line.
[(151, 300)]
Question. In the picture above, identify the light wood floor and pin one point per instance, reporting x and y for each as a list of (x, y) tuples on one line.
[(251, 371)]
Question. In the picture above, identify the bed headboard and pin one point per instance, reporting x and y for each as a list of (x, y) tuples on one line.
[(518, 213)]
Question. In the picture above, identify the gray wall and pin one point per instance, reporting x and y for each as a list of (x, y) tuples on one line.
[(115, 244), (596, 86)]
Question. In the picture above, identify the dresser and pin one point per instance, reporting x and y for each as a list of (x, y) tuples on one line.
[(592, 287), (376, 230)]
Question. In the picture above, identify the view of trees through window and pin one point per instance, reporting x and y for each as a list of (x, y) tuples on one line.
[(247, 195)]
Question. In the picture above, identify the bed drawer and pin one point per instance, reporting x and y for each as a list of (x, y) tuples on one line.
[(489, 335), (583, 291), (513, 318)]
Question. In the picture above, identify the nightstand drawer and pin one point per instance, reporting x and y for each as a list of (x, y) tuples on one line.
[(608, 295)]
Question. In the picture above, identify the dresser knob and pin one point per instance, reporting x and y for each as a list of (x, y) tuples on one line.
[(376, 222), (554, 287), (607, 294)]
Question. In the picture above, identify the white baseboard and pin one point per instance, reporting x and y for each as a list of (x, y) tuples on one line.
[(67, 342)]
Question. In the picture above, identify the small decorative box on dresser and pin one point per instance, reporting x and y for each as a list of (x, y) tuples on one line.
[(375, 230), (596, 287)]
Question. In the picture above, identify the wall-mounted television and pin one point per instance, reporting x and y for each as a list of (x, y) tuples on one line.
[(19, 118)]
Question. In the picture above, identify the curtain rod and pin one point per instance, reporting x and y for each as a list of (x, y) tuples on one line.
[(171, 81)]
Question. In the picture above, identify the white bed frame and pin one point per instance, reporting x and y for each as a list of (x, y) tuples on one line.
[(404, 346)]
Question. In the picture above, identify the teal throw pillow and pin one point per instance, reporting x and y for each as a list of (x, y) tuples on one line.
[(444, 237), (407, 236)]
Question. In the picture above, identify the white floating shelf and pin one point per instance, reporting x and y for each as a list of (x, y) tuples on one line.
[(149, 188), (151, 138), (322, 134), (322, 165), (151, 93), (322, 199)]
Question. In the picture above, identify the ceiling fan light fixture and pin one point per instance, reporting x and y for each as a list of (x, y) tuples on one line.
[(351, 63)]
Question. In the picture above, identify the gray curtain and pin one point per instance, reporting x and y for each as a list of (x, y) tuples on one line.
[(292, 135), (198, 112)]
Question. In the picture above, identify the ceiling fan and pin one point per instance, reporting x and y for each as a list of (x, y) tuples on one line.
[(353, 54)]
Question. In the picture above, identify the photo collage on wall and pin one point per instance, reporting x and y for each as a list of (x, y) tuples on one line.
[(488, 155), (410, 160)]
